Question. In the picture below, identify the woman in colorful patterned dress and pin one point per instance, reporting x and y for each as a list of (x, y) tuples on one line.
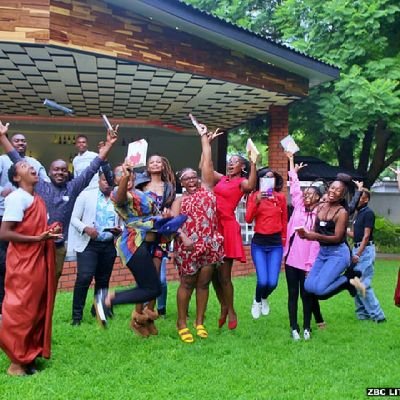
[(135, 248), (229, 189), (196, 267)]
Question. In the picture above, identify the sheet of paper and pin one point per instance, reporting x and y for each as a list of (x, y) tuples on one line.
[(137, 153)]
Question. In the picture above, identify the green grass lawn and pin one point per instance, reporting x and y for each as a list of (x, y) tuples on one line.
[(257, 361)]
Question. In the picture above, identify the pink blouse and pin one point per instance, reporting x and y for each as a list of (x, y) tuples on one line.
[(302, 252)]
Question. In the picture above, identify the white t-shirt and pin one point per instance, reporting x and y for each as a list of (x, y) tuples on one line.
[(81, 162), (15, 205)]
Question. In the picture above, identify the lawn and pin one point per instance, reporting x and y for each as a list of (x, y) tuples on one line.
[(257, 361)]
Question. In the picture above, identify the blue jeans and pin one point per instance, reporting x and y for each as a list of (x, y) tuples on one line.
[(368, 307), (325, 275), (162, 299), (267, 260)]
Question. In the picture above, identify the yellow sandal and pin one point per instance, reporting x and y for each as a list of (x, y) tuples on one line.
[(201, 331), (185, 335)]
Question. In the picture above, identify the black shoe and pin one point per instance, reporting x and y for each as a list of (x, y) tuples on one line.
[(31, 368), (351, 273), (162, 312), (380, 321), (93, 310), (101, 308), (76, 322)]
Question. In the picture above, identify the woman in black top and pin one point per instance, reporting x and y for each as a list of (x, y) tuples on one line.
[(325, 277)]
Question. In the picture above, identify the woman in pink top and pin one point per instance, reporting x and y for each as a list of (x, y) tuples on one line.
[(301, 254)]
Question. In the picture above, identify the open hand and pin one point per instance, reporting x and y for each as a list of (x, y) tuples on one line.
[(4, 128), (359, 184), (49, 235), (212, 135), (298, 167)]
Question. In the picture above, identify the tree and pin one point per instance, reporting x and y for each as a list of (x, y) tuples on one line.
[(356, 117)]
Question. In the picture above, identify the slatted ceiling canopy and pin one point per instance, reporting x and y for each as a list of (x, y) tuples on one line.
[(94, 84)]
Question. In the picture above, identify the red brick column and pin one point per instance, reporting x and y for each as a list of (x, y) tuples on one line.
[(278, 129)]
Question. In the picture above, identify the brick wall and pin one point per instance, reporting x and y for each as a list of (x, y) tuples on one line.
[(278, 129), (121, 275)]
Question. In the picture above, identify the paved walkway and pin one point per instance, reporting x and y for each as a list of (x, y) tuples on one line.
[(385, 256)]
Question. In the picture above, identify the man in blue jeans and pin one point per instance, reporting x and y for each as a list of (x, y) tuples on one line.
[(363, 257)]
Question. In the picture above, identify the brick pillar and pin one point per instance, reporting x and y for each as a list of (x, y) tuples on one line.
[(278, 129)]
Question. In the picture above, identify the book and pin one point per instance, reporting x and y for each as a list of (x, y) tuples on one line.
[(267, 185), (252, 149), (289, 144), (137, 153)]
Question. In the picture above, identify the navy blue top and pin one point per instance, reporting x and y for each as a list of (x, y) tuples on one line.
[(365, 219)]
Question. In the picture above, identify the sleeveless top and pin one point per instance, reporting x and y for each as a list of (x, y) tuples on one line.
[(327, 228)]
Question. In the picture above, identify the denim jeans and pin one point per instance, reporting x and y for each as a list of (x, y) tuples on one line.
[(162, 299), (267, 260), (97, 262), (368, 307), (325, 275)]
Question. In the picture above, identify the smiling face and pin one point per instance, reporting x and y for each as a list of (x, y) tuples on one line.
[(58, 172), (155, 165), (81, 144), (24, 174), (190, 180), (19, 143), (234, 167), (335, 192), (310, 197)]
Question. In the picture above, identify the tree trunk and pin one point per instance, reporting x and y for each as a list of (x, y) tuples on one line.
[(363, 160), (382, 137), (346, 153)]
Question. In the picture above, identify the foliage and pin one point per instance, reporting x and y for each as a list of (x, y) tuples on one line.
[(356, 116), (354, 120), (387, 236), (257, 361)]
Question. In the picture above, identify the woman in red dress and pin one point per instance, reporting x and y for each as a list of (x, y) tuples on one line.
[(196, 265), (229, 189)]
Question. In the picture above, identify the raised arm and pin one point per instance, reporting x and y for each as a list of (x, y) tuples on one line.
[(7, 146), (121, 195), (295, 190)]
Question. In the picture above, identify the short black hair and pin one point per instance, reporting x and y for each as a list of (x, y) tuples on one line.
[(81, 135), (12, 173)]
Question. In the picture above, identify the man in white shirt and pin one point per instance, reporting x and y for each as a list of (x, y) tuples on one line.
[(83, 159), (94, 223), (19, 143)]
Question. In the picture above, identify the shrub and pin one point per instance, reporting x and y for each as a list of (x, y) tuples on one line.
[(386, 236)]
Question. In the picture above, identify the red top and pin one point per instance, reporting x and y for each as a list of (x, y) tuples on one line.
[(270, 214)]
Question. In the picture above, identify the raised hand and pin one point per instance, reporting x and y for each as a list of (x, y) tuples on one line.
[(396, 171), (3, 128), (298, 167), (212, 135), (359, 184)]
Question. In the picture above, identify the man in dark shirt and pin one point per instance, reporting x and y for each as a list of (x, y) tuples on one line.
[(60, 194), (363, 257)]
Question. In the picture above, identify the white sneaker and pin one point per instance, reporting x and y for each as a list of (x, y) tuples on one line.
[(256, 310), (306, 334), (264, 307), (295, 335)]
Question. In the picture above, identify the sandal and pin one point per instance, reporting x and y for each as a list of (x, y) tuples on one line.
[(185, 335), (201, 331)]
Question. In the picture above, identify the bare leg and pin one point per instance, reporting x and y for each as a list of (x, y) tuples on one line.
[(220, 296), (183, 295), (202, 291), (224, 274)]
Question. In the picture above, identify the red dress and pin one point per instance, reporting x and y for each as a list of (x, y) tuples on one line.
[(201, 227), (229, 193), (30, 287)]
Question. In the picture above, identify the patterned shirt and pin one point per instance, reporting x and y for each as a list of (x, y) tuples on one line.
[(138, 216), (105, 217)]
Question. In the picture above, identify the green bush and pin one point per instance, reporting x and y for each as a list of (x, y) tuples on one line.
[(386, 236)]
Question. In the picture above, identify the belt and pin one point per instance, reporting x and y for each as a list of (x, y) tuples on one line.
[(358, 244)]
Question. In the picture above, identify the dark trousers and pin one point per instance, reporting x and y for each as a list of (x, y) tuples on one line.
[(295, 278), (97, 262), (147, 280)]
